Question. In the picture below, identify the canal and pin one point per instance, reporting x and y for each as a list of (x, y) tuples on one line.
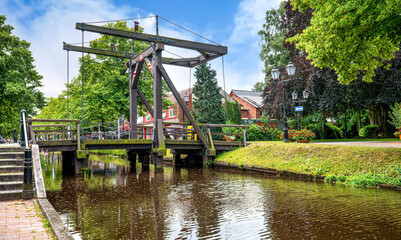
[(106, 201)]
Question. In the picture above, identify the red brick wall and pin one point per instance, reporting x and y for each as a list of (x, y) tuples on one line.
[(246, 107)]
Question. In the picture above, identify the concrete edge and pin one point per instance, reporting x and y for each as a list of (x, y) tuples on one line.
[(272, 172), (54, 219), (292, 175), (59, 230)]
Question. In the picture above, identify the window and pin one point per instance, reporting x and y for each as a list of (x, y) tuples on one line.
[(148, 118), (171, 113), (164, 115)]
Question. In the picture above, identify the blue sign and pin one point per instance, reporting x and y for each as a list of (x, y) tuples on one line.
[(299, 109)]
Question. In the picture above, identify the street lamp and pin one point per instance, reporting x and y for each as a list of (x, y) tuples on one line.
[(276, 75), (305, 95), (186, 100)]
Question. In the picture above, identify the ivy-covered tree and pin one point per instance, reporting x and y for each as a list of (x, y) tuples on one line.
[(208, 100), (19, 81)]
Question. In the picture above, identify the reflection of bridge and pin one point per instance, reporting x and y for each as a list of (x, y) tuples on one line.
[(64, 135)]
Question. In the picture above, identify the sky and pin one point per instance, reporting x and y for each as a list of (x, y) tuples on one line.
[(47, 24)]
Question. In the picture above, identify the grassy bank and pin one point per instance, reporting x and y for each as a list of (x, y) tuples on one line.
[(346, 164)]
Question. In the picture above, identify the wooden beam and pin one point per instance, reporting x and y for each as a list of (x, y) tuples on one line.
[(97, 51), (145, 101), (53, 120), (137, 74), (217, 49), (182, 104)]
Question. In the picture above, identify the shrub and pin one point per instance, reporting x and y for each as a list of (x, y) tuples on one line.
[(395, 116), (369, 131), (255, 132), (304, 135), (332, 132), (273, 134)]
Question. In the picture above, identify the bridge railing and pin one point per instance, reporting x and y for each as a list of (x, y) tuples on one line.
[(54, 129), (229, 132)]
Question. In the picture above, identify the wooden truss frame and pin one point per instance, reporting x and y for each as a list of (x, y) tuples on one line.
[(154, 60)]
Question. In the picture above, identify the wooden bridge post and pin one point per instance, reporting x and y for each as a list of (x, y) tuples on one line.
[(158, 139), (144, 159), (131, 155)]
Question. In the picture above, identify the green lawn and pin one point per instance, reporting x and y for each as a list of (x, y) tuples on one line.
[(349, 164)]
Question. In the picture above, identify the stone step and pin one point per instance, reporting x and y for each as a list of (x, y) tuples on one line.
[(10, 195), (8, 186), (11, 177), (11, 169), (12, 155), (12, 149), (13, 162)]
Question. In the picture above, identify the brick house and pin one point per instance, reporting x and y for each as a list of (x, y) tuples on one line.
[(251, 104)]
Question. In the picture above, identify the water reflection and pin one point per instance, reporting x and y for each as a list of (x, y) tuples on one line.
[(107, 202)]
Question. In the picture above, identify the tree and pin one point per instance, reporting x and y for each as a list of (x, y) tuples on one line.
[(273, 53), (208, 98), (19, 81), (351, 37), (106, 87), (233, 112)]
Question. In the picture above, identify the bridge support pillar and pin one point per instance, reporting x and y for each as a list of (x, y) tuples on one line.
[(144, 159), (157, 161), (68, 163), (178, 162), (131, 155)]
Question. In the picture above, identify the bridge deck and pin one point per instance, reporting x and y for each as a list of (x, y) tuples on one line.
[(132, 144)]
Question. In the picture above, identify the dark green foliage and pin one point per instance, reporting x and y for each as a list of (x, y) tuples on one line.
[(234, 112), (369, 131), (332, 131), (19, 81), (208, 98), (255, 132)]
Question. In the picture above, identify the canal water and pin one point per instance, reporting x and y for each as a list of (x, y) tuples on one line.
[(106, 201)]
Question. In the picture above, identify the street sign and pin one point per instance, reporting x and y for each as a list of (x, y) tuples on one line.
[(299, 109)]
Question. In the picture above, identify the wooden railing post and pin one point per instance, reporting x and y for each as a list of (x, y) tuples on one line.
[(244, 133), (78, 136)]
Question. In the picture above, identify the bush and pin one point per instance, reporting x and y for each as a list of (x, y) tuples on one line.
[(369, 131), (273, 134), (332, 132), (255, 132)]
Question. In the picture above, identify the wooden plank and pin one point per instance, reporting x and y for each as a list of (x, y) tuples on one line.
[(228, 134), (53, 120), (217, 49), (53, 131), (37, 171), (182, 105), (221, 125), (50, 125), (210, 138)]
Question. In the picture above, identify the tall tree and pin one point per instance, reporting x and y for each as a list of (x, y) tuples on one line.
[(273, 53), (350, 37), (19, 81), (208, 98)]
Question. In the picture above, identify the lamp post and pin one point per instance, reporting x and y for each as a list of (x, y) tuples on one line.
[(276, 75), (305, 95), (186, 100)]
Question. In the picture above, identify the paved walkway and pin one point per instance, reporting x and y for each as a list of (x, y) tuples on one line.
[(20, 220), (366, 144)]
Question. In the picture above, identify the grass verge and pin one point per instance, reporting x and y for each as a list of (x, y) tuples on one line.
[(362, 166)]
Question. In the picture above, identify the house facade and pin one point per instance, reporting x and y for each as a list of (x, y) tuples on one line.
[(251, 104)]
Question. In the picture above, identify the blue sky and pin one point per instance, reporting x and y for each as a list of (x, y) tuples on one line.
[(233, 23)]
